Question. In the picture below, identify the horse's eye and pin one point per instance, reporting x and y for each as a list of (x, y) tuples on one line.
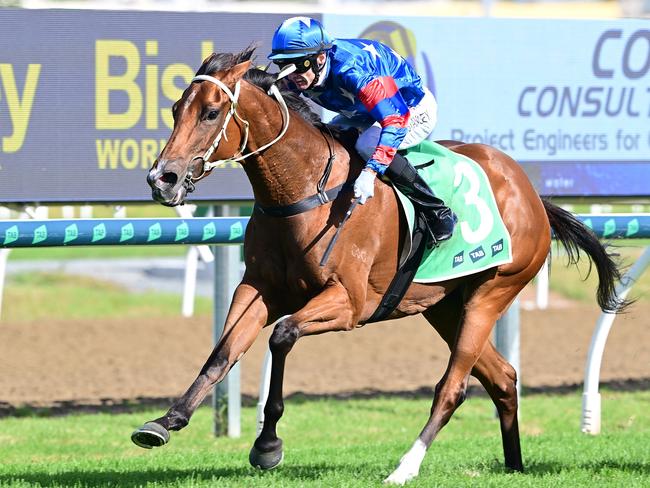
[(212, 114)]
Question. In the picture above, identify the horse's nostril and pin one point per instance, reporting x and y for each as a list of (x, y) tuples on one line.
[(169, 177)]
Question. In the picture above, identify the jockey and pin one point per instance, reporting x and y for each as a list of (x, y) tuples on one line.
[(375, 90)]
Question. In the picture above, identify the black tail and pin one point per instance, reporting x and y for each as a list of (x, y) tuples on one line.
[(574, 235)]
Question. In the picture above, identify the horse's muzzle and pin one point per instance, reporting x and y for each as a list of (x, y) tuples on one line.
[(167, 186)]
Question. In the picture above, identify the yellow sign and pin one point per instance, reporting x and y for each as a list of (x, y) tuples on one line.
[(142, 100)]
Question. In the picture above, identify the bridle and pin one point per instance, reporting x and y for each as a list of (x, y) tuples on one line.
[(234, 98), (320, 198)]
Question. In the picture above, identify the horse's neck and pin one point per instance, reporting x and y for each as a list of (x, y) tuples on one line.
[(289, 170)]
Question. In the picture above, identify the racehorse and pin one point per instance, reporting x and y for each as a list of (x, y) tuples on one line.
[(226, 114)]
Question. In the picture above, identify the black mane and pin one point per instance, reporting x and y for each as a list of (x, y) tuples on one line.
[(223, 61), (294, 101), (258, 77)]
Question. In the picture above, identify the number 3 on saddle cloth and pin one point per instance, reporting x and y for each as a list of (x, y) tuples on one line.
[(480, 241)]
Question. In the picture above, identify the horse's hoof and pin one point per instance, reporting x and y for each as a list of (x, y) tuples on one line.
[(265, 460), (150, 435)]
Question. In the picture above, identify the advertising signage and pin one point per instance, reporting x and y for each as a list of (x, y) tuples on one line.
[(85, 105), (569, 100)]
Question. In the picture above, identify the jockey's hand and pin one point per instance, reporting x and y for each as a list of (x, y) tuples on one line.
[(364, 186)]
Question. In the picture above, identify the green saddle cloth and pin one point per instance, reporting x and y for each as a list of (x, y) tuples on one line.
[(480, 239)]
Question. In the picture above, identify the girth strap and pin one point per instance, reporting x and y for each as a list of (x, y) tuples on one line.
[(305, 204), (404, 275)]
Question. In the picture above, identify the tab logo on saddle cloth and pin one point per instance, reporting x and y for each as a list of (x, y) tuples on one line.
[(477, 254), (497, 247), (481, 240), (459, 259)]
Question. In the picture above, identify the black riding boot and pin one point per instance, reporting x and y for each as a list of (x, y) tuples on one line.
[(440, 218)]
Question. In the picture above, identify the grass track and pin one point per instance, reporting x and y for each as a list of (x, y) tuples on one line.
[(331, 443)]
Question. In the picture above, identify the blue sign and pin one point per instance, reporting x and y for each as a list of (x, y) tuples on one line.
[(569, 100)]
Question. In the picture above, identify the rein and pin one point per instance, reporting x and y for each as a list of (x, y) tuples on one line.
[(234, 98)]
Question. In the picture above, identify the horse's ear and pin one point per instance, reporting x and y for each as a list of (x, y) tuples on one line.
[(237, 72)]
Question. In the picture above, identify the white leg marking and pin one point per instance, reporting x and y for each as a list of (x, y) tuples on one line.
[(409, 465)]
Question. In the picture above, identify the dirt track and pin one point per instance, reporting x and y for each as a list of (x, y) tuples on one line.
[(50, 363)]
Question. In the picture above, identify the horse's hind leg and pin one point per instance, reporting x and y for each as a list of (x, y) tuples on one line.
[(499, 379), (330, 310), (496, 375), (488, 300)]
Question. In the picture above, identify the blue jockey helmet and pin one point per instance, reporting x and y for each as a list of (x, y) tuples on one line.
[(298, 37)]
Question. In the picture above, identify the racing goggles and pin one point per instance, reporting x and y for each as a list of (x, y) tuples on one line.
[(302, 64)]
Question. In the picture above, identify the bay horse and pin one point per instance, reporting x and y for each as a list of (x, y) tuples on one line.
[(226, 114)]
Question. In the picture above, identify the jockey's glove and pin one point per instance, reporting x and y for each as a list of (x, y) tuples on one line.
[(364, 186)]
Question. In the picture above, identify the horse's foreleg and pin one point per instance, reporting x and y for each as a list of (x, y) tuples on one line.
[(330, 310), (247, 316)]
